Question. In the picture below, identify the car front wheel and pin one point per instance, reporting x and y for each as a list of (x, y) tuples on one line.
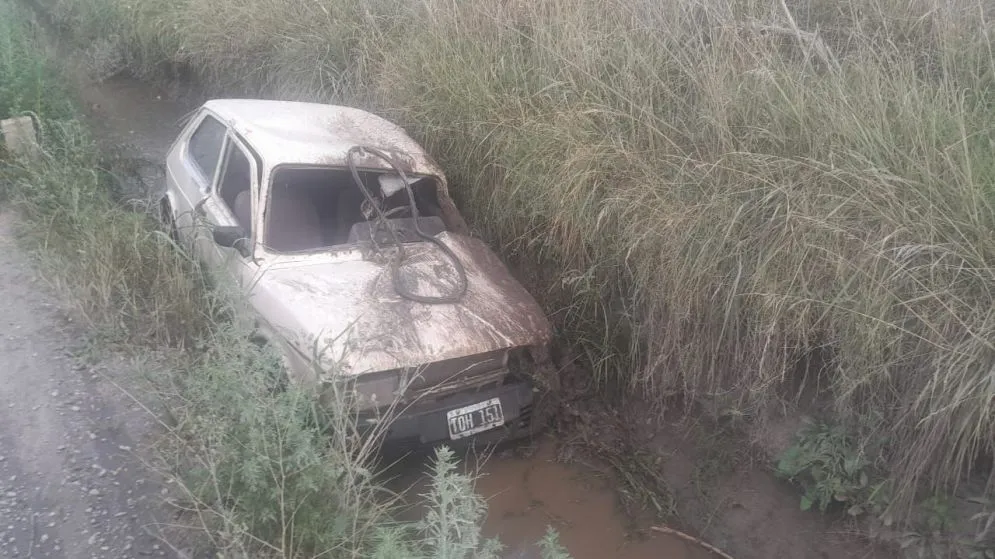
[(167, 220)]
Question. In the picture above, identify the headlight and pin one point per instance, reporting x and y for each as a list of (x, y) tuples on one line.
[(371, 390), (521, 362)]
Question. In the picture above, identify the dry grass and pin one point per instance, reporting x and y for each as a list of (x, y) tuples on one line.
[(706, 191)]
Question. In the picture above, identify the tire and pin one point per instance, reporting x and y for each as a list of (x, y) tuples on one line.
[(279, 380), (167, 220), (279, 377)]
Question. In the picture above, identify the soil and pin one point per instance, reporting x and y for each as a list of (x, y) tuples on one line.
[(733, 500), (528, 489), (71, 483), (66, 476)]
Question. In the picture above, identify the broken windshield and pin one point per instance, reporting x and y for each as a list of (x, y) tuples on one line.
[(317, 207)]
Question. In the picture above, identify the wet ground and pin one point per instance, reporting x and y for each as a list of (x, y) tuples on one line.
[(525, 495)]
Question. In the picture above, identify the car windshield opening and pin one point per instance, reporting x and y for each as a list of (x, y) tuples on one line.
[(315, 208)]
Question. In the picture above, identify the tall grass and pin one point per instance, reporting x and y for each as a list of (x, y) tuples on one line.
[(707, 194), (27, 83), (262, 472)]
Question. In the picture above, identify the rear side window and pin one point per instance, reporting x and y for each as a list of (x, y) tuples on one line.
[(205, 145)]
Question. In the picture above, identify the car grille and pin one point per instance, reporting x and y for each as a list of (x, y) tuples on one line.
[(465, 373)]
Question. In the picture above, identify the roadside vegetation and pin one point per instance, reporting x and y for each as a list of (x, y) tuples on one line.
[(260, 472), (733, 201)]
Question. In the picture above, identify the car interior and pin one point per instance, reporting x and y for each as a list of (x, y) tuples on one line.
[(316, 207), (234, 188)]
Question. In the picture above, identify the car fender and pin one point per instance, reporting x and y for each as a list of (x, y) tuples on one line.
[(299, 367)]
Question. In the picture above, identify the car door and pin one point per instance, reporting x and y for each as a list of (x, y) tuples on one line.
[(191, 168), (230, 203)]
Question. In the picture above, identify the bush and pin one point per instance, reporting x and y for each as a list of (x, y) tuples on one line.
[(28, 80), (272, 474), (825, 461)]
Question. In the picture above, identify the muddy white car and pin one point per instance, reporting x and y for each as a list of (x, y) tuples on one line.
[(341, 232)]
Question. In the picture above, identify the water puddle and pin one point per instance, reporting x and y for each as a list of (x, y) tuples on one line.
[(525, 495)]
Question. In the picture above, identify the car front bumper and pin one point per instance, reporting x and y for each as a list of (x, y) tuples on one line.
[(425, 424)]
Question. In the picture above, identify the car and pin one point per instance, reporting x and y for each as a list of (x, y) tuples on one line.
[(358, 267)]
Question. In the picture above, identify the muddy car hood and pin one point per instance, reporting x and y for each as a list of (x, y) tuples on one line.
[(351, 313)]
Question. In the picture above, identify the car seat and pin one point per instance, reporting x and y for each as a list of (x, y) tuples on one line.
[(293, 223), (242, 208)]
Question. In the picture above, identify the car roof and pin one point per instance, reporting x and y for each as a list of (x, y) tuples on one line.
[(292, 132)]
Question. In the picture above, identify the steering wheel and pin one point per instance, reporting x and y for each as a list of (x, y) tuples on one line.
[(400, 211)]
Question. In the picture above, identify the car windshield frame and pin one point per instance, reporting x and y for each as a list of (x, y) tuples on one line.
[(268, 185)]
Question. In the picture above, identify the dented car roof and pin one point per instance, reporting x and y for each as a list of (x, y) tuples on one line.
[(292, 132)]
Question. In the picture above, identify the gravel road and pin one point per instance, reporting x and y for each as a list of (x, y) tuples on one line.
[(71, 483)]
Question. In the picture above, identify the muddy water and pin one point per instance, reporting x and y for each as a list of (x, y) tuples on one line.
[(527, 495)]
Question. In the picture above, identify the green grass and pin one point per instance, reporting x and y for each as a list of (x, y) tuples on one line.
[(701, 194), (28, 83), (261, 473)]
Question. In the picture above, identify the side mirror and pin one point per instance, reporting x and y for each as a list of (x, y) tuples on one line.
[(231, 237)]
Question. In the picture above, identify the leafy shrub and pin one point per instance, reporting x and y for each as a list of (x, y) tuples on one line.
[(29, 82), (829, 467)]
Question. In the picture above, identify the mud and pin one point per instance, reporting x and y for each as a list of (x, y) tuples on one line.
[(528, 490), (527, 494)]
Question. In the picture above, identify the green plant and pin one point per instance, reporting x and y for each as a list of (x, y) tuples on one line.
[(937, 512), (118, 271), (939, 535), (29, 81), (550, 546), (828, 466)]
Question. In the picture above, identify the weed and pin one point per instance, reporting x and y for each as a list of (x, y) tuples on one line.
[(28, 79), (829, 467), (120, 272), (550, 546)]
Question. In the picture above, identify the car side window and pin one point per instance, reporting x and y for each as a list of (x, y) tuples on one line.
[(205, 145), (234, 188)]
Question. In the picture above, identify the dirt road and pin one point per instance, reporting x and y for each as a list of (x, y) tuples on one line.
[(70, 483)]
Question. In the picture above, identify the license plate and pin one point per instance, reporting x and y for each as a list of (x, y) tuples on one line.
[(475, 418)]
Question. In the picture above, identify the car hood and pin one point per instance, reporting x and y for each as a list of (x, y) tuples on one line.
[(349, 312)]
